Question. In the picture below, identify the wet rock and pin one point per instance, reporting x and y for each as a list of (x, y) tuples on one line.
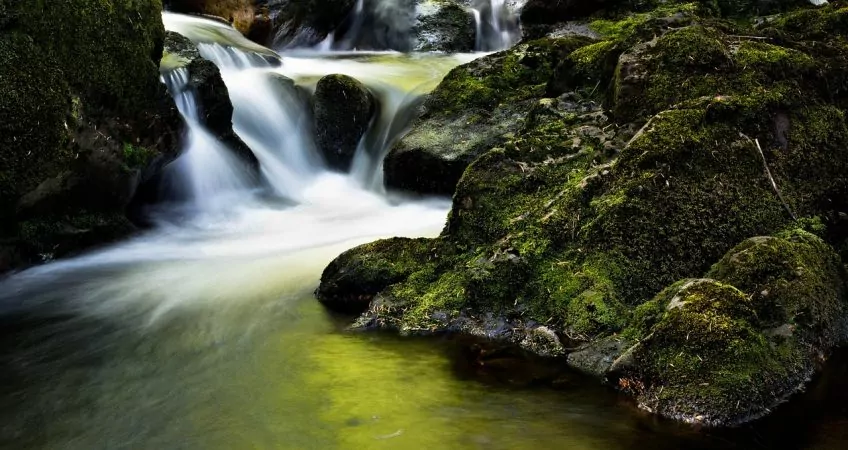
[(306, 22), (475, 108), (598, 200), (350, 282), (443, 26), (250, 17), (343, 109)]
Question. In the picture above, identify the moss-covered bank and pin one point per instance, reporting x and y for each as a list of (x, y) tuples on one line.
[(83, 118), (636, 161)]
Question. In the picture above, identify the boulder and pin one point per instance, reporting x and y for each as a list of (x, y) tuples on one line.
[(730, 348), (343, 109), (476, 107), (99, 122), (627, 225)]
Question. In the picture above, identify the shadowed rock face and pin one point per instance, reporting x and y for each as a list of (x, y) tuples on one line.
[(662, 220), (343, 109), (84, 121)]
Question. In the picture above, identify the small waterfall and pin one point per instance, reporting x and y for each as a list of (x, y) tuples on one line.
[(271, 118), (478, 29), (496, 25), (209, 170)]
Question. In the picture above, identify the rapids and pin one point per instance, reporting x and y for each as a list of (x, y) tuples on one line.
[(202, 333)]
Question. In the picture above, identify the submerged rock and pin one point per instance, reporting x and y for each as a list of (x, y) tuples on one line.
[(630, 178), (82, 124), (343, 109)]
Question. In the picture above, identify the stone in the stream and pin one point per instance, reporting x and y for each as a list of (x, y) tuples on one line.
[(343, 109), (730, 348)]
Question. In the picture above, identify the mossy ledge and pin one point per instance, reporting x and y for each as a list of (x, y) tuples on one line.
[(635, 215), (83, 120)]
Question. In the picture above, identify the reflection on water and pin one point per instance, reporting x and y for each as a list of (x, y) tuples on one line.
[(284, 375)]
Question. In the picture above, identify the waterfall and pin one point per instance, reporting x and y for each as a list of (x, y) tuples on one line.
[(270, 118), (209, 170), (496, 25)]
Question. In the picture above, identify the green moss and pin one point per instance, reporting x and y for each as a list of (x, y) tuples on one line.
[(706, 361), (136, 157), (109, 50), (510, 76), (795, 281), (34, 107)]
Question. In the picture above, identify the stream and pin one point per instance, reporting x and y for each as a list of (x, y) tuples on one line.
[(203, 332)]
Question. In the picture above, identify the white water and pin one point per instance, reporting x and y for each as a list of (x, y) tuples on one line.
[(208, 172), (235, 247), (496, 25)]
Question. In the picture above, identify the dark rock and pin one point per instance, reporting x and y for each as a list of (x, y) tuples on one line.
[(77, 141), (306, 22), (475, 108), (444, 27), (343, 109)]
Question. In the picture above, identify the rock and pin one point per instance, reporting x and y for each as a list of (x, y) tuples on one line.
[(343, 109), (443, 26), (727, 350), (216, 109), (250, 17), (99, 122), (474, 109), (598, 201), (350, 282), (306, 22), (409, 25)]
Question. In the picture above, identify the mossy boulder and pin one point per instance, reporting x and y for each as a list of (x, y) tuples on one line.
[(99, 123), (343, 109), (641, 159), (728, 349), (476, 107)]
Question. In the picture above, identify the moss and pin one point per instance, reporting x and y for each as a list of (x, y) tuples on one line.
[(349, 283), (795, 280), (109, 50), (706, 361), (136, 157), (34, 108), (510, 76)]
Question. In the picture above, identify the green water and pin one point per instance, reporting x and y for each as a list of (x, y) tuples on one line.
[(287, 376)]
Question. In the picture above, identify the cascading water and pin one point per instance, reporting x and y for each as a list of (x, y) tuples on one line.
[(496, 25), (203, 332), (207, 170)]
